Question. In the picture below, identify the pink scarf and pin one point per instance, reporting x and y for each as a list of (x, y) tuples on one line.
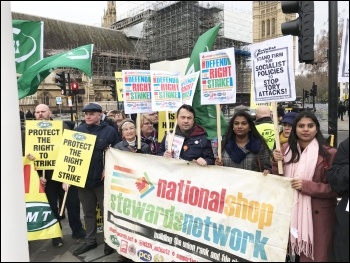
[(302, 235)]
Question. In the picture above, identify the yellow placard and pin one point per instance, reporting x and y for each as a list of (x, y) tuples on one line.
[(42, 140), (74, 158), (119, 85), (162, 123), (41, 221)]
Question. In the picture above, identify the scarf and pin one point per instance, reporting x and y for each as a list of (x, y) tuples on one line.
[(237, 154), (302, 235), (152, 141), (185, 134), (283, 139)]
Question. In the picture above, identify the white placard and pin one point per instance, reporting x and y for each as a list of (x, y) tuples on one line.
[(343, 74), (137, 91), (218, 77), (166, 91), (273, 70)]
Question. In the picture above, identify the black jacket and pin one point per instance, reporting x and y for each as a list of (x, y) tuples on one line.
[(106, 136), (197, 145), (338, 177)]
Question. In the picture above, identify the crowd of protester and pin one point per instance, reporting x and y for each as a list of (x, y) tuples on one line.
[(316, 170)]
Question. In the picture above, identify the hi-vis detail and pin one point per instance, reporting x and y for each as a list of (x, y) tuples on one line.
[(39, 216)]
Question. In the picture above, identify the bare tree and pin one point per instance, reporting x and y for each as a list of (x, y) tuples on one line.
[(318, 71)]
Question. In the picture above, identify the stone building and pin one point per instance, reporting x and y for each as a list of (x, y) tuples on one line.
[(267, 20), (113, 51)]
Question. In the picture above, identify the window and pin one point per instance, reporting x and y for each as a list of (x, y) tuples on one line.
[(46, 98), (268, 27), (263, 28), (273, 26), (98, 97)]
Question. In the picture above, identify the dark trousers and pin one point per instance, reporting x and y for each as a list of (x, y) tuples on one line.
[(340, 115), (53, 189), (73, 209), (89, 198)]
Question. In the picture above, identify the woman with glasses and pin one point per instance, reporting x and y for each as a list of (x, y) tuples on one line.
[(129, 142), (154, 118), (148, 134)]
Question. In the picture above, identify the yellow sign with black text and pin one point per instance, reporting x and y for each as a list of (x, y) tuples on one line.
[(73, 160)]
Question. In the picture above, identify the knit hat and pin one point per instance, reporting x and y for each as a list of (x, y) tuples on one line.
[(124, 122)]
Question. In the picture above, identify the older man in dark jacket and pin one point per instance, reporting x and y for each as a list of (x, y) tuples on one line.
[(93, 191)]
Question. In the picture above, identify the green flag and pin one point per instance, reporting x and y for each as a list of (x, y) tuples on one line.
[(79, 58), (205, 114), (28, 43)]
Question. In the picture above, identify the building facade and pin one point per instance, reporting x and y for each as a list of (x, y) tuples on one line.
[(267, 20)]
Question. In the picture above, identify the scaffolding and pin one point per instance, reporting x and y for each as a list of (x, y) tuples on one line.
[(172, 28)]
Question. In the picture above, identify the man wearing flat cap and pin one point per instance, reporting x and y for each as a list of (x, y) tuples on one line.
[(93, 191)]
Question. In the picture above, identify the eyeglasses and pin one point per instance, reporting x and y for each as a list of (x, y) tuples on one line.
[(148, 123)]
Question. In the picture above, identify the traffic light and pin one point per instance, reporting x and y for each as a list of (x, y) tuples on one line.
[(113, 92), (313, 91), (303, 27), (306, 94), (75, 88), (60, 79), (80, 99)]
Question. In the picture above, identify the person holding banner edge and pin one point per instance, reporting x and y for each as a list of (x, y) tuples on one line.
[(196, 147), (129, 142), (306, 159)]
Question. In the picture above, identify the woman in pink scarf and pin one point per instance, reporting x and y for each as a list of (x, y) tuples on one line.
[(306, 159)]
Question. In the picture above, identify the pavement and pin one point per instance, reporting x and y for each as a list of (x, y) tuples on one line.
[(43, 251), (343, 128)]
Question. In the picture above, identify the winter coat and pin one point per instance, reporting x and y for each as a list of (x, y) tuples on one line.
[(106, 136), (338, 177), (124, 146), (194, 147), (323, 202)]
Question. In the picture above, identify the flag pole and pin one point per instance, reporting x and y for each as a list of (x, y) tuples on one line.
[(138, 126), (277, 132), (218, 125)]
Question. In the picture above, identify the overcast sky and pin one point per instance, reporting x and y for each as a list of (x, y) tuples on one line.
[(91, 12)]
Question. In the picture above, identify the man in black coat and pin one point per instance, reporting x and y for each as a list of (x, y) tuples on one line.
[(54, 190), (196, 147), (93, 191), (338, 177)]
